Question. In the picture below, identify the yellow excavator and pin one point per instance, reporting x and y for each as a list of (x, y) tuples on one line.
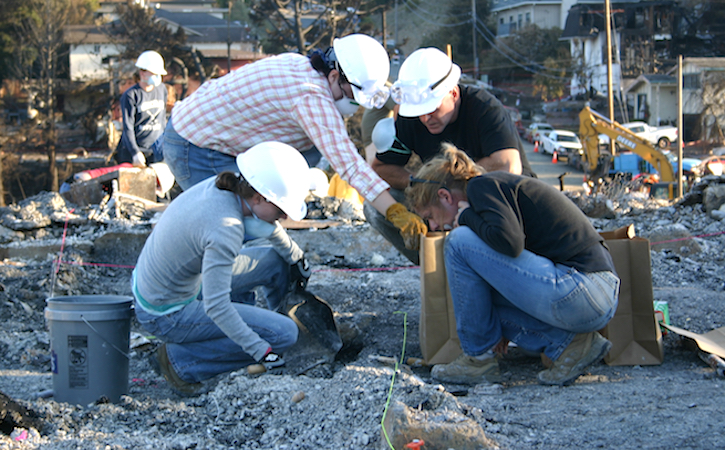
[(596, 163)]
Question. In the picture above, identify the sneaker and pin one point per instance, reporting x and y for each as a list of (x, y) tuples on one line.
[(161, 364), (583, 351), (468, 370)]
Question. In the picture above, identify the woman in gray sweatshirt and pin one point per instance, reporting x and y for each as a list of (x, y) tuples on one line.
[(193, 281)]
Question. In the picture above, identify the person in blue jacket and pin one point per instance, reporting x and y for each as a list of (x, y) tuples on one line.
[(143, 108)]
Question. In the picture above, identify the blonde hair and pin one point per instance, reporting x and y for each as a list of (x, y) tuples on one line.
[(450, 169)]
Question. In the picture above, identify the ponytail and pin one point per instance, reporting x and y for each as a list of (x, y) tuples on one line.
[(450, 169), (229, 181)]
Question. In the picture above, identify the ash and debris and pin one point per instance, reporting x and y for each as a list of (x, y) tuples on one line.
[(375, 292)]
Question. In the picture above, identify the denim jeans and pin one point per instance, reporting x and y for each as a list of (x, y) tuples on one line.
[(529, 299), (191, 164), (198, 349)]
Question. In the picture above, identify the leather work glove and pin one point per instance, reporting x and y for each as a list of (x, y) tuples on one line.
[(300, 274), (139, 160), (409, 224)]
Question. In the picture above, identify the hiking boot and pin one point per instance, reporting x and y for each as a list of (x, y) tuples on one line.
[(468, 370), (161, 364), (583, 351)]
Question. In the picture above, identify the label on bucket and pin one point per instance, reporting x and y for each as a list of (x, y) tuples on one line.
[(78, 362)]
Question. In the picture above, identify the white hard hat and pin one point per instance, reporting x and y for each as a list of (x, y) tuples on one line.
[(280, 174), (151, 61), (424, 79), (319, 184), (383, 134), (366, 66)]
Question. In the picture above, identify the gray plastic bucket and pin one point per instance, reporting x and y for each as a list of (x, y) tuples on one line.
[(89, 341)]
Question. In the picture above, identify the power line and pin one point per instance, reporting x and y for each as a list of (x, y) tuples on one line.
[(447, 14), (432, 22), (503, 44), (528, 65), (526, 68)]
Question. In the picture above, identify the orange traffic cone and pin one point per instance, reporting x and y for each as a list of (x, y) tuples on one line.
[(536, 147), (555, 158)]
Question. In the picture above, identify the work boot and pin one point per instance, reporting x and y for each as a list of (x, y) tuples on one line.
[(583, 351), (468, 370), (162, 366)]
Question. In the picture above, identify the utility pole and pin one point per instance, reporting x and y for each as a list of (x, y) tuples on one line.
[(396, 24), (229, 38), (680, 138), (610, 94), (383, 10), (475, 53)]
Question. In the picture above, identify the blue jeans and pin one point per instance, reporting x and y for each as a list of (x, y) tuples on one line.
[(198, 349), (529, 299), (191, 164)]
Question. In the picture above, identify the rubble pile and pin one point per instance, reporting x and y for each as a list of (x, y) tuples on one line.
[(375, 292)]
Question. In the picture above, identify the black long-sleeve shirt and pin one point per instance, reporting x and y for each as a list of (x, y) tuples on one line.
[(511, 213)]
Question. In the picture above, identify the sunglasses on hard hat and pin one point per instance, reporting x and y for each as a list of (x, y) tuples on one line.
[(371, 94), (415, 92)]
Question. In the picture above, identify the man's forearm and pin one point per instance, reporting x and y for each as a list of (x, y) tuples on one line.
[(398, 177), (507, 160)]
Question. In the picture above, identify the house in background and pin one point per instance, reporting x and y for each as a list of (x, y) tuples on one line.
[(642, 34), (107, 8), (703, 97), (513, 15), (94, 49), (654, 99), (223, 43), (586, 34)]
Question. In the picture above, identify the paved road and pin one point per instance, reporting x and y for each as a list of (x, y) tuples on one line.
[(548, 172)]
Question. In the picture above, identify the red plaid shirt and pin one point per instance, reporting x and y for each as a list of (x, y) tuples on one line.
[(280, 98)]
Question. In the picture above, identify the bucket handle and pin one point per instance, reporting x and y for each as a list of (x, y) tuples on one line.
[(104, 339)]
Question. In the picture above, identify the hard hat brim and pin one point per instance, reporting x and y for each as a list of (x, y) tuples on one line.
[(427, 107)]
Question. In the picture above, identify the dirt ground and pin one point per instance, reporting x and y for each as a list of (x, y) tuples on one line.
[(375, 294)]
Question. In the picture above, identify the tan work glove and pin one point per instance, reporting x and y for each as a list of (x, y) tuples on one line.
[(409, 224)]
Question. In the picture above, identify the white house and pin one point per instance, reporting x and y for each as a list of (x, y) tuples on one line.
[(92, 50), (588, 42), (512, 15), (653, 98)]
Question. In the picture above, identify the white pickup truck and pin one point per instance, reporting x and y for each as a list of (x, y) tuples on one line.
[(560, 141), (659, 136)]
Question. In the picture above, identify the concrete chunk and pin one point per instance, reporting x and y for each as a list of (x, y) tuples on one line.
[(442, 429)]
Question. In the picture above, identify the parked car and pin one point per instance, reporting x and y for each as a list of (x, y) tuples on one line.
[(562, 142), (712, 165), (689, 165), (659, 136), (536, 129)]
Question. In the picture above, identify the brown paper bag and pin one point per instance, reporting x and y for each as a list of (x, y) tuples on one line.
[(438, 338), (635, 335)]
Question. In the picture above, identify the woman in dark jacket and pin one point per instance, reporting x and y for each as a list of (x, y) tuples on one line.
[(524, 264)]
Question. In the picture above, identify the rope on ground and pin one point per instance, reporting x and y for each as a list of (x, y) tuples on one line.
[(392, 380), (688, 238), (56, 265)]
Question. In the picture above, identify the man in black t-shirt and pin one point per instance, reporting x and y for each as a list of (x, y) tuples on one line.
[(435, 109)]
